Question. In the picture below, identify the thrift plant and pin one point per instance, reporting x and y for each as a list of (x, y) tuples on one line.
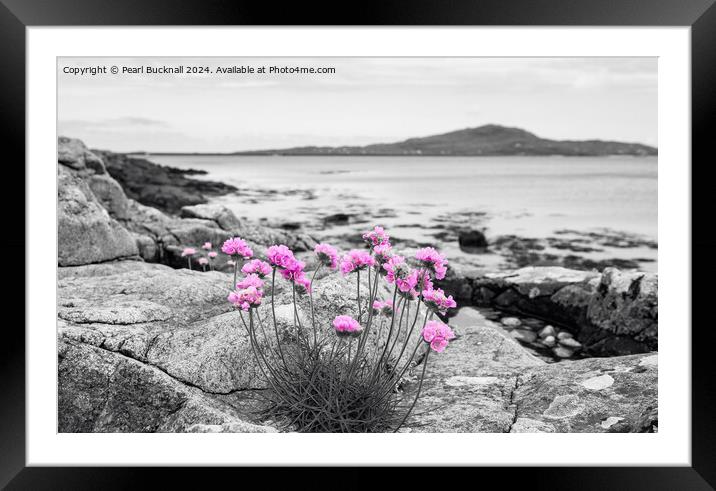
[(343, 374)]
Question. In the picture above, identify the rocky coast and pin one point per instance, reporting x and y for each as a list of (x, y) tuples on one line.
[(147, 345)]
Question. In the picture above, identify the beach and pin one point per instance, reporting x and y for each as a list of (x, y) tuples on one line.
[(583, 212)]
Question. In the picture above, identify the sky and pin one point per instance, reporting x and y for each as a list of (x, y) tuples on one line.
[(366, 100)]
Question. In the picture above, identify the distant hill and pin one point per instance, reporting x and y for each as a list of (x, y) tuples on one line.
[(484, 140)]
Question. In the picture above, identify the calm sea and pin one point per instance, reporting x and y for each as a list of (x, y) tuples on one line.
[(523, 196)]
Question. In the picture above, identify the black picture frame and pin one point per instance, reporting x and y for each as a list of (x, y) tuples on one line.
[(700, 15)]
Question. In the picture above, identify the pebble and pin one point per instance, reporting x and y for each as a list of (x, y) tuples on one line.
[(547, 332), (564, 335), (598, 383), (549, 341), (491, 314), (524, 335), (570, 343), (610, 421), (511, 321), (533, 323), (562, 352)]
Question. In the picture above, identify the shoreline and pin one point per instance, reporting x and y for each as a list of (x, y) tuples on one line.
[(147, 345), (300, 209)]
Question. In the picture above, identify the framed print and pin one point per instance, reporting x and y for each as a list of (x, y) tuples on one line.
[(255, 243)]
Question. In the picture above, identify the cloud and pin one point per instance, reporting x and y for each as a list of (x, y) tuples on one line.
[(115, 124)]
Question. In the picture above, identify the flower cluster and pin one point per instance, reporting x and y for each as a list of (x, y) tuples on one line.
[(433, 260), (257, 266), (237, 247), (280, 256), (248, 294), (358, 360), (356, 260), (437, 301), (405, 279), (345, 325), (250, 280), (383, 253), (188, 251), (327, 255), (396, 269), (437, 335), (293, 270), (376, 237)]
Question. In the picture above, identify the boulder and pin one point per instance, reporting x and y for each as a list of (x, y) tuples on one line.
[(110, 195), (104, 391), (337, 219), (166, 188), (486, 382), (467, 387), (175, 329), (209, 223), (472, 241), (626, 304), (144, 347), (610, 313), (147, 246), (589, 396), (85, 231), (73, 153), (94, 212), (219, 214)]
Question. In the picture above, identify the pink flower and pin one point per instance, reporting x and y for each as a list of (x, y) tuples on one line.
[(237, 247), (188, 251), (327, 255), (206, 246), (293, 269), (246, 298), (407, 285), (436, 300), (213, 254), (438, 335), (433, 260), (376, 237), (257, 266), (383, 253), (356, 260), (203, 261), (279, 256), (303, 284), (396, 268), (345, 325), (385, 308), (251, 280)]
